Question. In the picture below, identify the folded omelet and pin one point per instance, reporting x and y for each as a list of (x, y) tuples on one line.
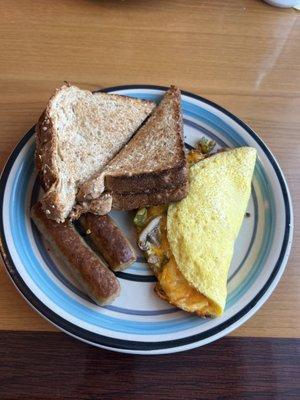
[(192, 256)]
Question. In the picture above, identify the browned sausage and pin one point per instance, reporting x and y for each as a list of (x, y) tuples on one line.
[(86, 267), (108, 240)]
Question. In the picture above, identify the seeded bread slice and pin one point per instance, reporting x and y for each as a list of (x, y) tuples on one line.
[(154, 159), (100, 206), (132, 201), (78, 134)]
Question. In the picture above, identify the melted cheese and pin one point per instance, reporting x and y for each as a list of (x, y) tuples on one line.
[(179, 292), (176, 288), (199, 233), (195, 156)]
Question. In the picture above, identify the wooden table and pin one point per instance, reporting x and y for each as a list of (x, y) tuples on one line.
[(242, 54)]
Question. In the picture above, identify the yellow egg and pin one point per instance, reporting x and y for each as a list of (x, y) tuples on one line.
[(202, 228), (199, 232)]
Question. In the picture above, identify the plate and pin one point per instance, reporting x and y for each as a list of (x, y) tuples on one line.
[(138, 321)]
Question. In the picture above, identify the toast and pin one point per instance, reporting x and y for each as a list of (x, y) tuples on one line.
[(78, 134), (154, 159), (132, 201)]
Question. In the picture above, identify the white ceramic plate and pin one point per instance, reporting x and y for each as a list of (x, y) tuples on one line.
[(138, 321)]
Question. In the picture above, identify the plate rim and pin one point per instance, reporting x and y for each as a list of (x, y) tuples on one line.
[(175, 345)]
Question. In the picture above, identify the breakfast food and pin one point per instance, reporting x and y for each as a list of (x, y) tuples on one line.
[(100, 206), (98, 151), (132, 201), (152, 167), (77, 135), (189, 245), (108, 240), (86, 166), (86, 267)]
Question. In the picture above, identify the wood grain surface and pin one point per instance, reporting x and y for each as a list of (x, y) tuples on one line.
[(232, 368), (243, 54)]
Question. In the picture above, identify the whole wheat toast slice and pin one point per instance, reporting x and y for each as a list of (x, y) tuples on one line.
[(129, 201), (78, 134), (132, 201), (154, 159)]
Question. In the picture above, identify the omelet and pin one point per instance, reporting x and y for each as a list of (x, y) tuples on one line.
[(191, 246)]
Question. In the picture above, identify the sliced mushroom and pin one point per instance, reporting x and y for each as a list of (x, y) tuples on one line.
[(150, 234)]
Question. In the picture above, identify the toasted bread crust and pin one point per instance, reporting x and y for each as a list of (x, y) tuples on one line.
[(46, 147), (129, 201), (164, 179), (99, 282), (132, 201), (43, 151)]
